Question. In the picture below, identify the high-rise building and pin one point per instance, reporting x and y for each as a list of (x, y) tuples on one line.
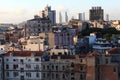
[(66, 17), (96, 13), (80, 16), (107, 17), (47, 12), (60, 17)]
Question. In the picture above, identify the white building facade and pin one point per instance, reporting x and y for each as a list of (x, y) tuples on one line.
[(22, 65)]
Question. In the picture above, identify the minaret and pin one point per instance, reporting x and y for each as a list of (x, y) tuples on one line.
[(66, 17), (60, 18)]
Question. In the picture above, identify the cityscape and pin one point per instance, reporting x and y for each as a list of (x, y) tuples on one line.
[(53, 44)]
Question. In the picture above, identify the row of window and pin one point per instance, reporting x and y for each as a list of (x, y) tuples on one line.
[(28, 74), (22, 60), (60, 75), (28, 66)]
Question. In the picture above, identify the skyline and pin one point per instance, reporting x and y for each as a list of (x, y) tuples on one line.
[(16, 11)]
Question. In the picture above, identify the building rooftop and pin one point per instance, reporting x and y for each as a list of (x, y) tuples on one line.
[(23, 53)]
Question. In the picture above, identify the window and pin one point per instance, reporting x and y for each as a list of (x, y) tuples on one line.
[(52, 75), (72, 64), (65, 53), (21, 60), (15, 74), (7, 66), (28, 66), (63, 76), (15, 66), (52, 67), (81, 68), (63, 67), (81, 60), (43, 67), (56, 67), (56, 75), (47, 67), (53, 53), (106, 61), (1, 48), (81, 76), (114, 69), (43, 75), (72, 73), (28, 74), (72, 78), (21, 77), (22, 69), (48, 74), (37, 67), (59, 53), (7, 74), (36, 59), (7, 59), (14, 59), (37, 74)]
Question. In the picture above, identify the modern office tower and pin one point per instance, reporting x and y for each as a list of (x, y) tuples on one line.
[(107, 17), (96, 13), (47, 12), (60, 17), (83, 16), (80, 16), (66, 17)]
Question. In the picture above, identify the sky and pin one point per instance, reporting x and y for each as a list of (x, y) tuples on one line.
[(17, 11)]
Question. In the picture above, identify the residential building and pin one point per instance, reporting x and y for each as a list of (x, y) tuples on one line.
[(76, 24), (79, 67), (1, 67), (51, 14), (37, 25), (116, 24), (62, 51), (99, 24), (64, 37), (22, 65), (96, 13), (101, 45), (115, 57), (34, 43), (50, 36)]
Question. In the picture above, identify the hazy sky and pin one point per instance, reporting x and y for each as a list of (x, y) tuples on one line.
[(16, 11)]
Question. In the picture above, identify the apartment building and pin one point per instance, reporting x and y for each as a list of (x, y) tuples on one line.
[(22, 65), (36, 25), (92, 66)]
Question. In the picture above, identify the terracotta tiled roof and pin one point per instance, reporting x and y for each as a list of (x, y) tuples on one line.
[(63, 56), (54, 56), (92, 54), (82, 56), (114, 50), (67, 56), (24, 53)]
